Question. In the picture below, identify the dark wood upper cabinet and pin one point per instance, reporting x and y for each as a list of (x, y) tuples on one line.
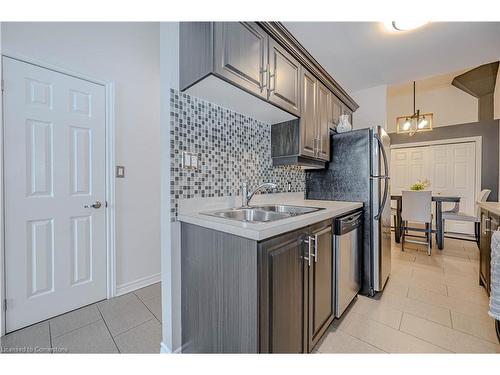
[(308, 121), (313, 125), (241, 55), (336, 110), (224, 62), (284, 78), (323, 113)]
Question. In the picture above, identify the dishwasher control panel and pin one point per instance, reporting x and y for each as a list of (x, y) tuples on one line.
[(347, 223)]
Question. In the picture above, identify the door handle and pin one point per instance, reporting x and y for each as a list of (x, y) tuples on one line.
[(96, 205), (385, 178)]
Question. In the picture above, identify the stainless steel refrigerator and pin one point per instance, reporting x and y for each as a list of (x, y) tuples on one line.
[(359, 171)]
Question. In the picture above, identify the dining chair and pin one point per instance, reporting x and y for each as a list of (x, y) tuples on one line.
[(455, 214), (417, 208)]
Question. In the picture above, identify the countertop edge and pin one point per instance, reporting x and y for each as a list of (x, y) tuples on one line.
[(490, 206)]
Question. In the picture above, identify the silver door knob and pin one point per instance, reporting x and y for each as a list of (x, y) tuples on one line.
[(97, 204)]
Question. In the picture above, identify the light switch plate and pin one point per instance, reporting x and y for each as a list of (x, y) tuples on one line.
[(189, 160), (120, 171), (194, 161)]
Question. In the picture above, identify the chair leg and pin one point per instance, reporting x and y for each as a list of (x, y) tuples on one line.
[(428, 227), (477, 232), (403, 235)]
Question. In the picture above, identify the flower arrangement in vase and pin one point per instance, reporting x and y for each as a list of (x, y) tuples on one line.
[(420, 185)]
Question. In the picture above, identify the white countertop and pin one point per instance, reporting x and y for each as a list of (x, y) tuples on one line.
[(190, 212), (493, 207)]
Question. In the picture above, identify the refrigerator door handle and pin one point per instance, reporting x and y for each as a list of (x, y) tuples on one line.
[(386, 178)]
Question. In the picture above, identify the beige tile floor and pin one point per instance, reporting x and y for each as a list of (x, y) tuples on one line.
[(430, 305), (127, 324)]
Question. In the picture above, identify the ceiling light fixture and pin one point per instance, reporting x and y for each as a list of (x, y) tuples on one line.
[(405, 25), (416, 122)]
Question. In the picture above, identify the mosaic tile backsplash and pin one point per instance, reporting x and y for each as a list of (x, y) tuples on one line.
[(231, 148)]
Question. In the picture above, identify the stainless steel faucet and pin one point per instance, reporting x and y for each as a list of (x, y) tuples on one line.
[(246, 196)]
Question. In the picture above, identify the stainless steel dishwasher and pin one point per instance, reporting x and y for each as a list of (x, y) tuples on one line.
[(347, 239)]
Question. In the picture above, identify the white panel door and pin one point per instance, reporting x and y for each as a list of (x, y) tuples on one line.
[(408, 165), (400, 173), (453, 172), (54, 167)]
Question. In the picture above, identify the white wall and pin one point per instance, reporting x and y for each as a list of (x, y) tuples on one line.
[(170, 232), (372, 109), (2, 327), (128, 54), (450, 105)]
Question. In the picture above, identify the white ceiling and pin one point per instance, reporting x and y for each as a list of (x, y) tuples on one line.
[(364, 54)]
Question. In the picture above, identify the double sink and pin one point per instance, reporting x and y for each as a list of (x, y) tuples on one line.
[(262, 214)]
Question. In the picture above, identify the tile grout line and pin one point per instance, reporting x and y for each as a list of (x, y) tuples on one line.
[(363, 341), (76, 329), (50, 339), (104, 320), (403, 332), (137, 325), (421, 339), (140, 299), (457, 330)]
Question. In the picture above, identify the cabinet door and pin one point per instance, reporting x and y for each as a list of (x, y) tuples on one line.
[(323, 122), (284, 79), (308, 123), (336, 110), (282, 294), (241, 55), (484, 250), (493, 227), (321, 298)]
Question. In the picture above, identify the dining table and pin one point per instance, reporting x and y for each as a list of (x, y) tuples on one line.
[(439, 199)]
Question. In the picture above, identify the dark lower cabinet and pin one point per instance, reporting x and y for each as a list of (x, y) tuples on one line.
[(321, 283), (296, 289), (283, 311), (244, 296), (489, 224)]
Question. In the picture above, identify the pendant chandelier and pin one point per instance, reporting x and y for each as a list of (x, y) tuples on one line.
[(416, 122)]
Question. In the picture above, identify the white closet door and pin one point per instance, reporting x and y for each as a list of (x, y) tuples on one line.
[(408, 165), (54, 167), (453, 172)]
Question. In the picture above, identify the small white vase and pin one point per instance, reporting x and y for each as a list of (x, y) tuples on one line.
[(344, 124)]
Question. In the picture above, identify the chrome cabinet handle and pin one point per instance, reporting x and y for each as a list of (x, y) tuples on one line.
[(309, 241), (263, 84), (96, 205), (316, 248), (272, 78), (316, 236)]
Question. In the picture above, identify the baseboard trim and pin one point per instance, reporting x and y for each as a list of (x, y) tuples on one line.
[(137, 284), (164, 349)]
